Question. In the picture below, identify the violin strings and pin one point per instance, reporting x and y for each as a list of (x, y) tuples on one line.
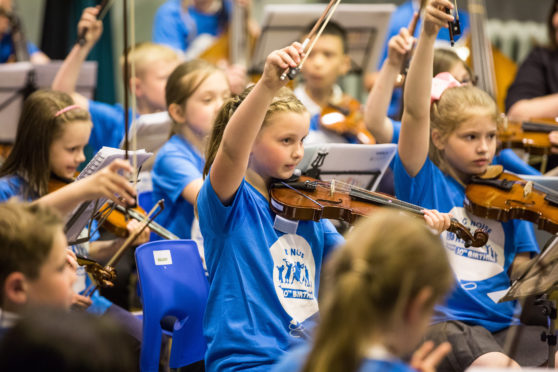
[(302, 194)]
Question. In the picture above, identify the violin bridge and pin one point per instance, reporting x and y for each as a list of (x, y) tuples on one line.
[(527, 189), (332, 188)]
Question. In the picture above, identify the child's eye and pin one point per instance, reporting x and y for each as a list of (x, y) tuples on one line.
[(286, 141)]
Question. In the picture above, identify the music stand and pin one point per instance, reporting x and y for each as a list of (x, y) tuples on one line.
[(358, 165), (15, 78), (86, 82), (366, 26)]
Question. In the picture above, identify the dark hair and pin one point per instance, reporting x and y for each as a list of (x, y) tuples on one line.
[(550, 29), (56, 340), (386, 261), (26, 237), (283, 101), (335, 29), (38, 127)]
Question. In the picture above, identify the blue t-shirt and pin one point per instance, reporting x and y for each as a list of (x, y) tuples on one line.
[(293, 361), (263, 283), (177, 29), (108, 125), (481, 273), (11, 186), (7, 48), (177, 164)]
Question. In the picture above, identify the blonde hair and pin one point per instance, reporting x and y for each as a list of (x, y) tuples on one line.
[(284, 101), (385, 262), (455, 106), (143, 55), (185, 79)]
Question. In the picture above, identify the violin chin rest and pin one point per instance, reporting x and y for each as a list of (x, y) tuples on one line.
[(493, 171)]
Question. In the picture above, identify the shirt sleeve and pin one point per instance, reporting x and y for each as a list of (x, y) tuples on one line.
[(524, 237), (169, 28), (513, 163), (332, 239), (174, 171), (108, 125)]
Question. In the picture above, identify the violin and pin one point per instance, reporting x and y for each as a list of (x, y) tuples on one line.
[(114, 217), (503, 196), (105, 276), (531, 136), (346, 119), (311, 199)]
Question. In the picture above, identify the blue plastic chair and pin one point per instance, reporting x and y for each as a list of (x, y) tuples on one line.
[(172, 283)]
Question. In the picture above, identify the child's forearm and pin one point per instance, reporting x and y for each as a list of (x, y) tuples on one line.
[(377, 104), (66, 77)]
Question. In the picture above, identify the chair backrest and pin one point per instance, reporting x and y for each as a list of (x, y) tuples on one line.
[(172, 283)]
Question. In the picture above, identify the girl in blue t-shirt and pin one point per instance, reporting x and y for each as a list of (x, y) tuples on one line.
[(52, 133), (263, 271), (448, 134), (379, 292), (195, 92)]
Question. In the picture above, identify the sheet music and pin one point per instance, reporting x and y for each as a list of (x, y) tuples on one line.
[(106, 155)]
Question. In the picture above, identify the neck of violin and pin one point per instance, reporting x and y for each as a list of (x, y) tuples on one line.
[(385, 200)]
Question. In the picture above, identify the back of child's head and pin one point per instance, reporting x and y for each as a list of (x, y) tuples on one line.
[(143, 57), (455, 106), (42, 120), (284, 101), (445, 59), (27, 234), (185, 79), (334, 29), (386, 261), (56, 340)]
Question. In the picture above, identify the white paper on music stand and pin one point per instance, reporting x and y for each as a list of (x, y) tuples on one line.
[(106, 155), (86, 81), (358, 165)]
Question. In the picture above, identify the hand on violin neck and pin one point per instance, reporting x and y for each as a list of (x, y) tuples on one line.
[(278, 61), (134, 227), (91, 26), (435, 16), (437, 221)]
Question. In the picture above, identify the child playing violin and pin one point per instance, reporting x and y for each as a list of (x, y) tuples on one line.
[(195, 92), (448, 135), (264, 275), (57, 130)]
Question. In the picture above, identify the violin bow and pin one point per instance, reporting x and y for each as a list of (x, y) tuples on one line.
[(109, 267), (322, 22), (454, 27), (103, 10)]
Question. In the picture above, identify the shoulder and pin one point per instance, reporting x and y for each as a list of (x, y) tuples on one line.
[(103, 109), (10, 186), (169, 8)]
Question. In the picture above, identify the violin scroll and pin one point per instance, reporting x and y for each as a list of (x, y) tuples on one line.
[(477, 239), (105, 276)]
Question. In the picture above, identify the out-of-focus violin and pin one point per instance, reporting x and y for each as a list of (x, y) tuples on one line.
[(311, 199), (503, 196), (531, 136), (346, 119)]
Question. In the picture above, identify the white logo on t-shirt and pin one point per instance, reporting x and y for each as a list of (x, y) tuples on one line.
[(293, 276), (475, 264)]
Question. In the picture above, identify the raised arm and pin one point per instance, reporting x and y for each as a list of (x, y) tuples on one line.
[(415, 123), (377, 104), (66, 77), (231, 160)]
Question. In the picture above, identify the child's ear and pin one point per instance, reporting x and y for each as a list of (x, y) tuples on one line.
[(437, 139), (135, 86), (419, 306), (177, 113), (346, 65), (15, 288)]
